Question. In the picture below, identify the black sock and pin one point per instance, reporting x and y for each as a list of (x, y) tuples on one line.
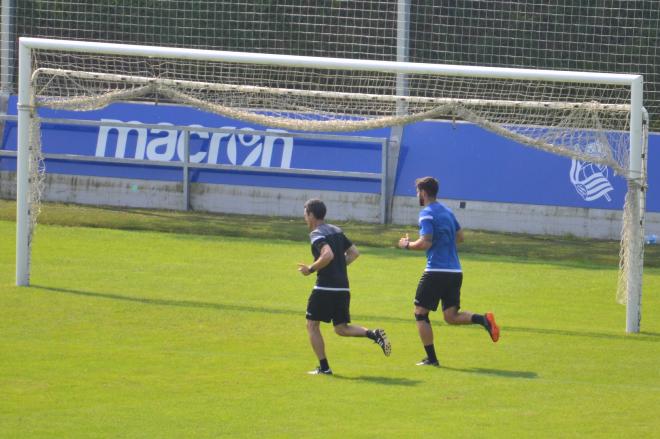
[(430, 353), (479, 319), (371, 335), (324, 364)]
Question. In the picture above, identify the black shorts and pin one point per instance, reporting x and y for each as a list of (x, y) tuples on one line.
[(435, 286), (324, 306)]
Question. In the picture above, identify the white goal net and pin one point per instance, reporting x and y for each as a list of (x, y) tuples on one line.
[(587, 116)]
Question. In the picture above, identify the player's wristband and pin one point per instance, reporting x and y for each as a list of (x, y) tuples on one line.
[(311, 269), (407, 245)]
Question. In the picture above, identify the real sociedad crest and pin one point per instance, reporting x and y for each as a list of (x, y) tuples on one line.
[(590, 180)]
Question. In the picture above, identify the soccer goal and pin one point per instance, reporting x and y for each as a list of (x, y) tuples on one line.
[(595, 117)]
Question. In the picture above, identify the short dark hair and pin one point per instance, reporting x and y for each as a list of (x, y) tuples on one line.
[(316, 208), (428, 185)]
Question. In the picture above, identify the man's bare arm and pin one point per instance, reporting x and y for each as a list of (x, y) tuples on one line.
[(424, 242), (351, 254), (323, 260)]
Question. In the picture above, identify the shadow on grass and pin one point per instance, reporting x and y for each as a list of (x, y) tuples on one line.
[(208, 224), (642, 336), (176, 303), (496, 372), (388, 381)]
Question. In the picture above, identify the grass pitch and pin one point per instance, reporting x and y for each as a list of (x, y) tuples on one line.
[(128, 333)]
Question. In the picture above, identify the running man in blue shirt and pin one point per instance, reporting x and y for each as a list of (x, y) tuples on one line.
[(439, 232)]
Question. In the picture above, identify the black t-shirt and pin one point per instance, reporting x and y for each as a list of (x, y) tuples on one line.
[(333, 276)]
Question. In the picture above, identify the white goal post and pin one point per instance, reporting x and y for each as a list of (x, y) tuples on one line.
[(337, 94)]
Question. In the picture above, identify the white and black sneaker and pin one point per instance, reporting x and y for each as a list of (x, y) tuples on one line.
[(383, 342), (427, 362), (319, 371)]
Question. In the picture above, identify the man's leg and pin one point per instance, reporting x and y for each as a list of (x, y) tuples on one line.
[(346, 330), (341, 319), (455, 317), (318, 345), (424, 325), (426, 336), (427, 298), (377, 335), (315, 338)]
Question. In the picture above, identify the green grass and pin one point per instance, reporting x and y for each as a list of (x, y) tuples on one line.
[(564, 249), (192, 325)]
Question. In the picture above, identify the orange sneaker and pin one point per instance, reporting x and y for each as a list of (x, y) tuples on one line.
[(492, 327)]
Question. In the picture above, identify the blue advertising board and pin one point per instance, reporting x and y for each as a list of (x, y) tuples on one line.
[(470, 162), (166, 144)]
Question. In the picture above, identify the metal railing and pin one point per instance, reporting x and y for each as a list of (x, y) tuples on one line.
[(186, 165)]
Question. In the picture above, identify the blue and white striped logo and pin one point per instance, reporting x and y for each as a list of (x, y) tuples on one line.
[(590, 180)]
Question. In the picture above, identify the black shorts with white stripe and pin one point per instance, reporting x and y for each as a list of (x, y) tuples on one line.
[(326, 306), (436, 286)]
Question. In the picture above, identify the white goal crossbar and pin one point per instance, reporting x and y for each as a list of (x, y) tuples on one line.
[(26, 105)]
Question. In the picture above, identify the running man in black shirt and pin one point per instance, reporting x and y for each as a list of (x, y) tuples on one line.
[(330, 298)]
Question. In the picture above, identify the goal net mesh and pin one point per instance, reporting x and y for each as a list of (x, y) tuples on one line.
[(588, 122)]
